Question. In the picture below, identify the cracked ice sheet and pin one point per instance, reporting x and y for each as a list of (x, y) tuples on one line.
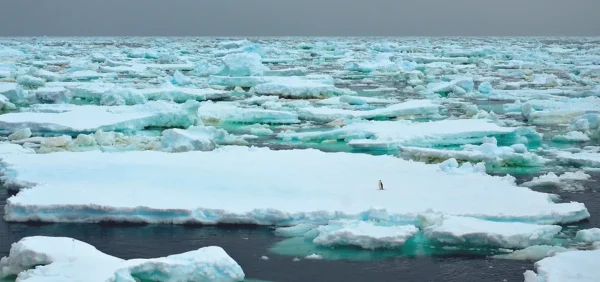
[(259, 186), (47, 259), (389, 134), (71, 118), (573, 266)]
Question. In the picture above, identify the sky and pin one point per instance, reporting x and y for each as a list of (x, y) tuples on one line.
[(300, 18)]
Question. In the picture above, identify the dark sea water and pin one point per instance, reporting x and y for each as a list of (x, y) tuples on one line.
[(246, 244)]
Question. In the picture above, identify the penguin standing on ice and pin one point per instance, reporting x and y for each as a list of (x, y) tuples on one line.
[(380, 185)]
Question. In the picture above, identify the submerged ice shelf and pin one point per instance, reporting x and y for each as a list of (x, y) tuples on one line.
[(274, 187), (48, 259)]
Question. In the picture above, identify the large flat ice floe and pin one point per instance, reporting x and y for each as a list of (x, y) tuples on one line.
[(73, 119), (47, 259), (574, 266), (260, 186), (390, 134)]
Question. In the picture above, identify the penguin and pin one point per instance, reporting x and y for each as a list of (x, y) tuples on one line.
[(380, 185)]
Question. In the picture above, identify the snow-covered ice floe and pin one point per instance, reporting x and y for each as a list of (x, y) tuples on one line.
[(211, 112), (390, 134), (588, 235), (590, 159), (364, 234), (573, 266), (46, 259), (111, 94), (419, 108), (470, 231), (551, 179), (259, 186), (75, 119), (488, 152)]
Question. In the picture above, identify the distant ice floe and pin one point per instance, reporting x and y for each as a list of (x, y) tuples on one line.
[(488, 152), (417, 108), (42, 258), (73, 119), (390, 134)]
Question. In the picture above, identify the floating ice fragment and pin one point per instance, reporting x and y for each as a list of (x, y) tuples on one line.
[(476, 232), (73, 118), (65, 259), (573, 266), (364, 234), (588, 235), (417, 108), (533, 253), (314, 256), (572, 136), (224, 112)]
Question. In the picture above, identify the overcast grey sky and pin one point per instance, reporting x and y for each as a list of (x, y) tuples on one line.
[(298, 17)]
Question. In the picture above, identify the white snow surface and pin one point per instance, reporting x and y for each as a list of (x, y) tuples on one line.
[(574, 266), (53, 259), (259, 186)]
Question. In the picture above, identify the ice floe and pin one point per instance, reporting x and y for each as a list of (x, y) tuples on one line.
[(588, 235), (74, 119), (574, 266), (488, 152), (42, 258), (390, 134), (366, 235), (229, 195), (418, 108), (211, 112), (476, 232)]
